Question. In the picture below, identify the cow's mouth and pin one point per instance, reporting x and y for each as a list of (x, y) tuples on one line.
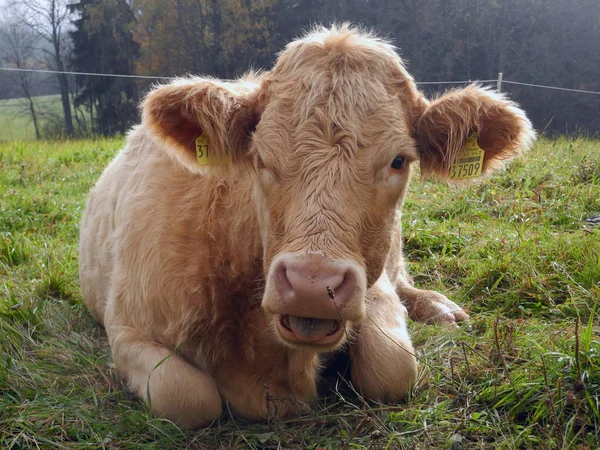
[(307, 330)]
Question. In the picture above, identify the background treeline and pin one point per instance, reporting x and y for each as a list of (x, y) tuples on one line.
[(548, 42)]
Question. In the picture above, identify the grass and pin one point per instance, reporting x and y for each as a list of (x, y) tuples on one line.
[(17, 121), (515, 250), (14, 114)]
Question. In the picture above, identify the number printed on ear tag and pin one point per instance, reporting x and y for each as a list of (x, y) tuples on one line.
[(204, 157), (469, 161)]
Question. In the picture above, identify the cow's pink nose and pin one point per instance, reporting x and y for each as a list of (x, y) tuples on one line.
[(316, 287)]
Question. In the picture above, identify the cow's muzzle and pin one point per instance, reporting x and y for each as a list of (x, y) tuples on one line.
[(313, 297)]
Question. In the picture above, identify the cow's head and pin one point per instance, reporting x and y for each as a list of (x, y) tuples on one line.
[(330, 135)]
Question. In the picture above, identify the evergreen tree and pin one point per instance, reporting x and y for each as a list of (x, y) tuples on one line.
[(103, 43)]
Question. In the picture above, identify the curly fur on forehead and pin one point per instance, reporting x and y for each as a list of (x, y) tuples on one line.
[(342, 70), (340, 45)]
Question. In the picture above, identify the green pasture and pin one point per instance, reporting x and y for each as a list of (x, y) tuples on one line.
[(515, 250), (16, 122)]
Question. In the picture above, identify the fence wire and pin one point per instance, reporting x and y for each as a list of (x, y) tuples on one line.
[(152, 77)]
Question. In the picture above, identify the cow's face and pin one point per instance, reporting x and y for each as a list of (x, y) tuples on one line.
[(332, 153), (329, 136), (327, 190)]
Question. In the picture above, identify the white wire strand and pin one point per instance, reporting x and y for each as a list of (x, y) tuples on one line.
[(456, 82), (12, 69), (551, 87), (150, 77), (115, 75)]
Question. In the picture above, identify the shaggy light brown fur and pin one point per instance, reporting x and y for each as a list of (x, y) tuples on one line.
[(177, 259)]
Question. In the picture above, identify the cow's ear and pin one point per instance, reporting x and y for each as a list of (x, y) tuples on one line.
[(442, 132), (203, 122)]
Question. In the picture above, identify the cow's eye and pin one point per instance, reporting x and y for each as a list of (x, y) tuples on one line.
[(398, 162)]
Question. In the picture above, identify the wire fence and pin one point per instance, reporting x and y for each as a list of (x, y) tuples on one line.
[(114, 75), (17, 114), (500, 80), (551, 87)]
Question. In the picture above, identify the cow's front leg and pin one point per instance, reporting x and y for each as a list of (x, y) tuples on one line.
[(423, 305), (428, 306), (384, 365), (177, 390)]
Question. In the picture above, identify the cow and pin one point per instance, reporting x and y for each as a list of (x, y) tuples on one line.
[(250, 227)]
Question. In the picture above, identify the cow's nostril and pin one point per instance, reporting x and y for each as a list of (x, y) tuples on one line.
[(282, 283), (343, 290), (335, 285)]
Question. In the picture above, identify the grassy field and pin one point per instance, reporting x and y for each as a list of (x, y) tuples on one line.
[(16, 122), (516, 251)]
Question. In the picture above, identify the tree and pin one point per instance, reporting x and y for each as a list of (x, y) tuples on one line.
[(215, 37), (49, 18), (150, 22), (103, 43), (19, 51)]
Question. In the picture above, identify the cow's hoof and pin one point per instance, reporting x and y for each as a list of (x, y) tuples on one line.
[(433, 307)]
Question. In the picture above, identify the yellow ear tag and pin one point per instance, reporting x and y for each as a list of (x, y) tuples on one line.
[(204, 157), (469, 161)]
